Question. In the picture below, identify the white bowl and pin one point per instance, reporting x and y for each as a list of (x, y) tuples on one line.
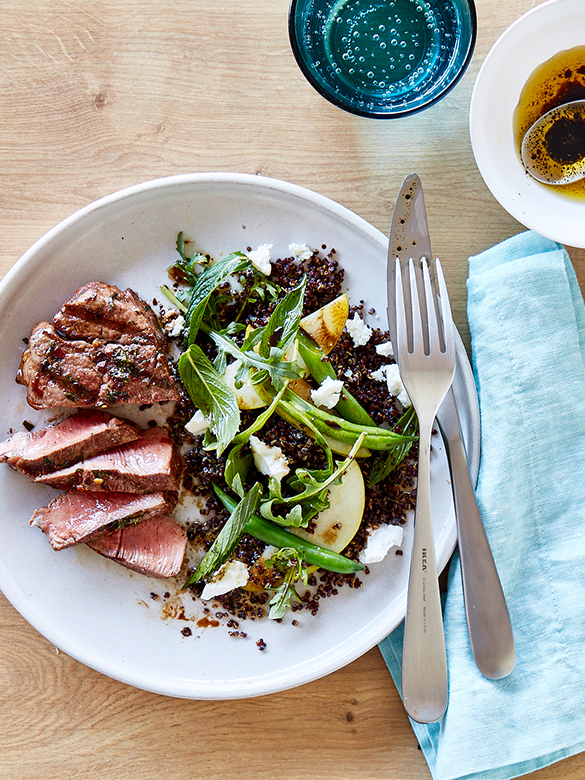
[(531, 40)]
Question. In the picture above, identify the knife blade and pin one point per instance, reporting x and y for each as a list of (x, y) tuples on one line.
[(488, 620)]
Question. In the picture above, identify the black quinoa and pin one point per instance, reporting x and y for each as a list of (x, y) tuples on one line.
[(386, 502)]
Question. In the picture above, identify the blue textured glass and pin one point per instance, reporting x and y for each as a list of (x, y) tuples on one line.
[(382, 58)]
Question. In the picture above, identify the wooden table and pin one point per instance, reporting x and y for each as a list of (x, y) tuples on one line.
[(100, 95)]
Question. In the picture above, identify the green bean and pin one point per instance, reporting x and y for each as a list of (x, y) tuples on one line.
[(299, 413), (269, 533), (320, 368)]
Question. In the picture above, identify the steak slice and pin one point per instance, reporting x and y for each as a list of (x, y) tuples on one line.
[(104, 346), (155, 546), (136, 373), (101, 311), (148, 464), (58, 372), (73, 439), (78, 516)]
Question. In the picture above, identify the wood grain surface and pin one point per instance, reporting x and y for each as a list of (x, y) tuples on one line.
[(97, 95)]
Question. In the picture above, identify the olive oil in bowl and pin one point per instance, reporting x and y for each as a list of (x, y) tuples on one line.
[(557, 81)]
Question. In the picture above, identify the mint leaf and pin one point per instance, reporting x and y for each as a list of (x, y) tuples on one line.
[(207, 281), (282, 327), (229, 536), (210, 393)]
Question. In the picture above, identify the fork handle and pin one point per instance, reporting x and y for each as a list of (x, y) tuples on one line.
[(424, 658)]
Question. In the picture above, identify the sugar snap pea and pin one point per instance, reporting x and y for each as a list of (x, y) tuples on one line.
[(320, 368), (269, 533)]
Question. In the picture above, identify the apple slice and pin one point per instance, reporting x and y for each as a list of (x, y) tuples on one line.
[(336, 526), (326, 325)]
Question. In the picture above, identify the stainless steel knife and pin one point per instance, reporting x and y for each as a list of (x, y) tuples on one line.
[(488, 621)]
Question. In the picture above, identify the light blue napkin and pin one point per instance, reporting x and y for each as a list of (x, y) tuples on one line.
[(527, 321)]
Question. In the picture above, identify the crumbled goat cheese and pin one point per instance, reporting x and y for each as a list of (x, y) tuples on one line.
[(358, 330), (233, 574), (174, 328), (379, 542), (391, 375), (300, 251), (260, 258), (197, 424), (385, 349), (268, 552), (246, 395), (348, 373), (328, 392), (270, 461)]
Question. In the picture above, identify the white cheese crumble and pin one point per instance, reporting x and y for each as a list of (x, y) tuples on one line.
[(197, 424), (246, 395), (233, 574), (358, 330), (380, 542), (391, 375), (260, 258), (270, 461), (174, 328), (385, 349), (328, 392), (348, 373), (300, 251)]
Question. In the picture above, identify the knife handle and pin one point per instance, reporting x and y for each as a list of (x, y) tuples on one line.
[(488, 621)]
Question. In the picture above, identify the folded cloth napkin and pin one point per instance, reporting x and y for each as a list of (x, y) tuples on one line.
[(527, 321)]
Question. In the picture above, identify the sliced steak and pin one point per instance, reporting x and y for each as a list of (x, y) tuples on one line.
[(155, 546), (149, 464), (78, 516), (104, 346), (101, 311), (73, 439)]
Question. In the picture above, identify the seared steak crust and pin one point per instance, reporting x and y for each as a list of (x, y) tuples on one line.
[(150, 463), (155, 546), (59, 445), (78, 516), (104, 347), (58, 372), (102, 311)]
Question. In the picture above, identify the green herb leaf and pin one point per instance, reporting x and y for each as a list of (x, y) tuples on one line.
[(277, 369), (313, 496), (236, 469), (287, 561), (210, 393), (282, 327), (229, 536), (207, 281)]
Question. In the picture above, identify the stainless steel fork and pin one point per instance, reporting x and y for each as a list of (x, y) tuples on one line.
[(426, 356)]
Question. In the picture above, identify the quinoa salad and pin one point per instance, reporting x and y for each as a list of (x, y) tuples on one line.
[(307, 474)]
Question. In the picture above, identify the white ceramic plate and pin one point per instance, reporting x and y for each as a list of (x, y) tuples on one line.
[(97, 611), (534, 38)]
